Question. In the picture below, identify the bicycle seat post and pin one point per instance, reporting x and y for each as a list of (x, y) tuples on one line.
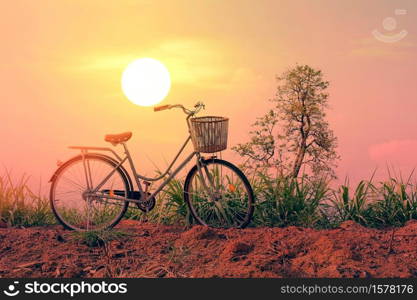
[(132, 166), (126, 151), (125, 148)]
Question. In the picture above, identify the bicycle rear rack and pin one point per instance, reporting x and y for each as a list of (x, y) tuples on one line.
[(85, 150)]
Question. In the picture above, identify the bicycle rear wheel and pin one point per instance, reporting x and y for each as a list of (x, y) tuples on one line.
[(73, 208), (219, 195)]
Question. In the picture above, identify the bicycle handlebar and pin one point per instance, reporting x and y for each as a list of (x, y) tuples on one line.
[(189, 112), (161, 107)]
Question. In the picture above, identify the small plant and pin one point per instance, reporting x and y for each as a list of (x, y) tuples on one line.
[(398, 204), (286, 201), (353, 207), (99, 238), (178, 254), (172, 207), (387, 204)]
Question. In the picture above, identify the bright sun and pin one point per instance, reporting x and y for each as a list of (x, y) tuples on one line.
[(146, 81)]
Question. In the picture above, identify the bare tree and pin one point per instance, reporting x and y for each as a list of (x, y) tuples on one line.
[(295, 134)]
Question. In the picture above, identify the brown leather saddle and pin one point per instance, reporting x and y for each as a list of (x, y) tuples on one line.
[(118, 138)]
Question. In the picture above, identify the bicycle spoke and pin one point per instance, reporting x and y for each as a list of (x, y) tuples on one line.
[(82, 188), (68, 192), (226, 204), (76, 207)]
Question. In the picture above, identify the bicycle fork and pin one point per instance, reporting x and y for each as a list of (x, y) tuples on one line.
[(213, 193), (201, 165)]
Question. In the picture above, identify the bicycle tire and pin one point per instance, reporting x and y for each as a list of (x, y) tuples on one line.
[(106, 159), (250, 200)]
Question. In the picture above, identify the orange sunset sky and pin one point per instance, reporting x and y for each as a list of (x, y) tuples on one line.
[(61, 64)]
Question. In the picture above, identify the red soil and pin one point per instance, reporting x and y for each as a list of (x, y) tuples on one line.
[(168, 251)]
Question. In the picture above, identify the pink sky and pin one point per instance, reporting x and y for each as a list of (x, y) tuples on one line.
[(61, 63)]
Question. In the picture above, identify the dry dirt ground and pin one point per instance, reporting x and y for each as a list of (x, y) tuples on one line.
[(169, 251)]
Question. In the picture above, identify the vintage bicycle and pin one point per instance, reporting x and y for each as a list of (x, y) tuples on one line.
[(92, 191)]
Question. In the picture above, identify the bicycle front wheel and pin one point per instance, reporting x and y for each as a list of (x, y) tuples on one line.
[(219, 195), (69, 195)]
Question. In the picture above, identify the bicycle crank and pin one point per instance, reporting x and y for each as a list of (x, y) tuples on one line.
[(144, 206), (147, 205)]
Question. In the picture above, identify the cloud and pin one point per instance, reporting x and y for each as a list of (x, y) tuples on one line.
[(372, 48), (203, 62), (104, 63), (398, 152), (191, 62)]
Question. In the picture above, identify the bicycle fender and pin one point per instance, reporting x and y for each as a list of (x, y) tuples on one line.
[(92, 154)]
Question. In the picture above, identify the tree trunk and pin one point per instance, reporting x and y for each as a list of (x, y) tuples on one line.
[(299, 159)]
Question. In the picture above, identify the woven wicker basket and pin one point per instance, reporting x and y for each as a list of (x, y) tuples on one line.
[(209, 134)]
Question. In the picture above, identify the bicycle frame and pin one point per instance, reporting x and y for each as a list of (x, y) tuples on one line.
[(206, 185), (94, 191)]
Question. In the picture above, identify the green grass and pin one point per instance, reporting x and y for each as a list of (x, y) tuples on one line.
[(396, 206), (352, 205), (96, 238), (286, 201), (389, 203), (280, 202), (170, 207), (19, 206)]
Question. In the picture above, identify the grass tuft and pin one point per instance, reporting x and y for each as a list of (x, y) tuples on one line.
[(285, 201), (280, 201), (98, 238), (19, 206)]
